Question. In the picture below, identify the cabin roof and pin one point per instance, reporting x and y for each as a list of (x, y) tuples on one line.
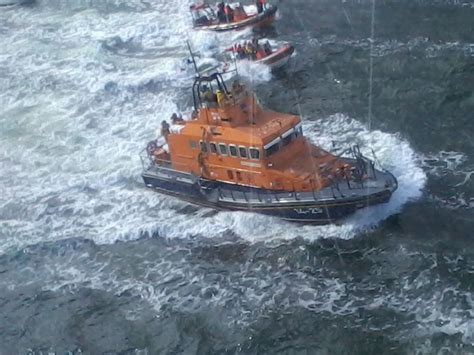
[(268, 126)]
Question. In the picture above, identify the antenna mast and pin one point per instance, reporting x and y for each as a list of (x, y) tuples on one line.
[(192, 57)]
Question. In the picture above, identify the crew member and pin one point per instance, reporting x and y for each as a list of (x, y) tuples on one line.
[(221, 16), (260, 6), (267, 47), (255, 47), (249, 50), (221, 97), (208, 97), (175, 119), (237, 88), (165, 130), (229, 14), (240, 51)]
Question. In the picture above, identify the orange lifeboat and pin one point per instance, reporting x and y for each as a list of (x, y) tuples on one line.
[(232, 154), (206, 17)]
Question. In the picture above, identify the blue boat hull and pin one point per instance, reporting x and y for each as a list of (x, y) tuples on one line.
[(314, 212)]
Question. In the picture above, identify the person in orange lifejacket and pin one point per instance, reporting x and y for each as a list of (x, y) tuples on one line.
[(229, 14), (260, 6)]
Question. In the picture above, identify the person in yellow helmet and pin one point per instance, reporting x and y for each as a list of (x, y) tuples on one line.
[(220, 97)]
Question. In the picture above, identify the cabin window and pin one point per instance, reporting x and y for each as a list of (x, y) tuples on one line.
[(222, 149), (193, 144), (203, 146), (238, 174), (273, 149), (287, 140), (233, 150), (230, 174), (243, 152), (254, 153), (213, 147)]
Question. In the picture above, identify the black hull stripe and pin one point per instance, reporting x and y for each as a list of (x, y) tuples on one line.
[(266, 211)]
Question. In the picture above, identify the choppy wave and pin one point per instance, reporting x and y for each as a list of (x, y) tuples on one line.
[(254, 285), (382, 48), (455, 172)]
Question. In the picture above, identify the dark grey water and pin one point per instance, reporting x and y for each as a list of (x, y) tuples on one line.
[(91, 262)]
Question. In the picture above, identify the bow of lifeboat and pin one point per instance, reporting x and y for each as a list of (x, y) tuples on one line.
[(204, 18), (234, 155)]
